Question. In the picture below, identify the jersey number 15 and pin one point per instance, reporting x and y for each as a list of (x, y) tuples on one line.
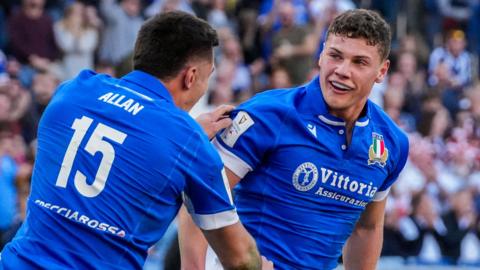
[(95, 143)]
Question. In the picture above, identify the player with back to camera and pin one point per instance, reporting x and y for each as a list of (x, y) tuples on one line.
[(116, 156)]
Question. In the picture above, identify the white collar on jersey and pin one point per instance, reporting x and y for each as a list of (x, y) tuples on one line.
[(342, 123)]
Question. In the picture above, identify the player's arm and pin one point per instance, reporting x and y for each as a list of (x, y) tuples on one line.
[(363, 248), (193, 245), (235, 247)]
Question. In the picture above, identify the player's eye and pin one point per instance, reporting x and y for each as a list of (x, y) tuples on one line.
[(361, 62), (335, 56)]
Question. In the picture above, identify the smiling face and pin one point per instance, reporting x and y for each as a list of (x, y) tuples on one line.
[(348, 69)]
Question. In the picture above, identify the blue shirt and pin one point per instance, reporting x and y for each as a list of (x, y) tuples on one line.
[(114, 158), (303, 189)]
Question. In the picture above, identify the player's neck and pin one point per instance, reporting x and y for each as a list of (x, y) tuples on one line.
[(174, 87), (350, 116)]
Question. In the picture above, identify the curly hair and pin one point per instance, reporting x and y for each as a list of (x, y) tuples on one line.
[(366, 24)]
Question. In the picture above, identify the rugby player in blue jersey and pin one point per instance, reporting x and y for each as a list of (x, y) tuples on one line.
[(116, 159), (312, 165)]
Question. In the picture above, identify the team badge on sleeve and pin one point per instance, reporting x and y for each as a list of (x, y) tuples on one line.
[(241, 123), (377, 153)]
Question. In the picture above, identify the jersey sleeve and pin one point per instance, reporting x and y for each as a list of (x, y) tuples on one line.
[(207, 193), (400, 164), (243, 144)]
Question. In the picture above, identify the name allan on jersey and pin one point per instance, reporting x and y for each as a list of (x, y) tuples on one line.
[(129, 105)]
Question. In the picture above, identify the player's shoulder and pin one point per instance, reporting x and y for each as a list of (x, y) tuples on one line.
[(177, 122), (85, 79), (275, 103), (383, 121)]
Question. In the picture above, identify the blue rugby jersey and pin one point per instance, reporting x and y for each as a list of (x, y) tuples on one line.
[(114, 158), (302, 188)]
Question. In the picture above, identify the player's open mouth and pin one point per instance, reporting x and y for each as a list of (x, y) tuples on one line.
[(340, 86)]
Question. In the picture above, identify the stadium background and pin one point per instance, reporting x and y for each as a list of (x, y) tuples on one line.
[(432, 92)]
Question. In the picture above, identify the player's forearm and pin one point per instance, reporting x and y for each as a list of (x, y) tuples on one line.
[(192, 243), (235, 248), (249, 259), (363, 248)]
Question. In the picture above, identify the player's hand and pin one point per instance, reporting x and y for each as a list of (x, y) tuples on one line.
[(214, 121), (266, 264)]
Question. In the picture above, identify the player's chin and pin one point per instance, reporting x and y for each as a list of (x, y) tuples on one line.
[(338, 103)]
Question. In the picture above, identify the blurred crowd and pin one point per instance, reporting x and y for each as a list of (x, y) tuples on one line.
[(432, 92)]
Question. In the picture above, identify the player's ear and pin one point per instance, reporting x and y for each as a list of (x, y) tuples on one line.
[(382, 72), (320, 57), (191, 74)]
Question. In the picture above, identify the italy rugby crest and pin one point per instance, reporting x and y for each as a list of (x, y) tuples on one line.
[(377, 153)]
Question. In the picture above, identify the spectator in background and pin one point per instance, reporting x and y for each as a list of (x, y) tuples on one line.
[(422, 230), (394, 100), (31, 36), (159, 6), (450, 68), (455, 13), (420, 174), (232, 73), (122, 22), (43, 87), (217, 16), (251, 40), (458, 221), (77, 36), (20, 102), (269, 15), (414, 44), (415, 86), (293, 46), (434, 124), (8, 171), (393, 240), (456, 59), (279, 79)]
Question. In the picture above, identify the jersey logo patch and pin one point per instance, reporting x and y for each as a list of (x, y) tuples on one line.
[(241, 123), (305, 176), (312, 129), (377, 153)]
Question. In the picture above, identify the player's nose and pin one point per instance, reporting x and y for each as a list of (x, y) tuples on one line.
[(343, 69)]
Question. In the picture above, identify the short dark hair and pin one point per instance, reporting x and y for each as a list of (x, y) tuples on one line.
[(166, 42), (366, 24)]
